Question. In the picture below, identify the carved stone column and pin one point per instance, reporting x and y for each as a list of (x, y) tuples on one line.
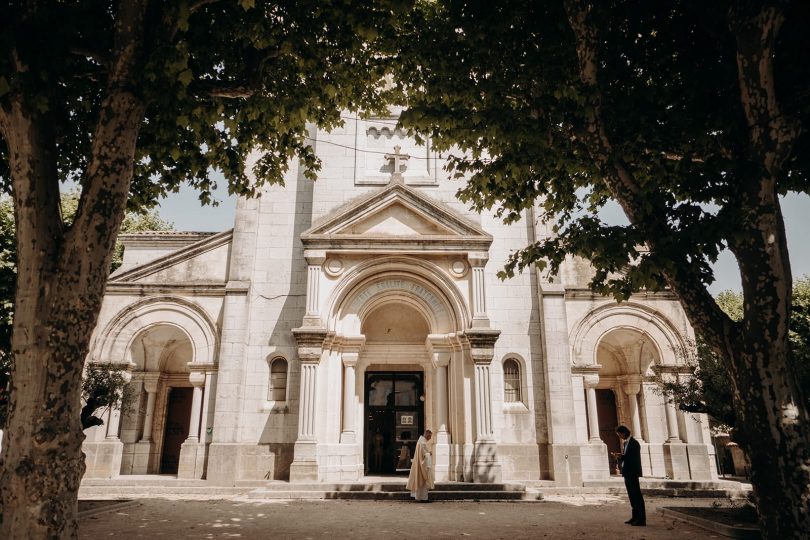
[(145, 456), (150, 385), (673, 434), (114, 418), (310, 347), (192, 452), (315, 260), (676, 455), (486, 467), (349, 356), (632, 390), (591, 381), (478, 262), (440, 352)]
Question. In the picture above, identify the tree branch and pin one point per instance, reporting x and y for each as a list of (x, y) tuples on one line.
[(771, 133), (199, 4), (701, 308), (248, 86)]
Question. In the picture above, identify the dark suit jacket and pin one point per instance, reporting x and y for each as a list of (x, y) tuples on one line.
[(631, 460)]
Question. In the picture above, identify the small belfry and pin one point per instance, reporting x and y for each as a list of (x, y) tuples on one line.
[(397, 160)]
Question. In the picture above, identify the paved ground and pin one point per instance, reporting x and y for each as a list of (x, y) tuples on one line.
[(600, 517)]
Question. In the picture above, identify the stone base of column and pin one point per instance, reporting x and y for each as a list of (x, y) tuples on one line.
[(441, 462), (103, 459), (143, 455), (340, 463), (223, 463), (701, 463), (304, 467), (565, 463), (348, 437), (676, 461), (192, 460), (486, 467), (594, 461)]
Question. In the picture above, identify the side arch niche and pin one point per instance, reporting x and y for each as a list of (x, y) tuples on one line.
[(169, 346)]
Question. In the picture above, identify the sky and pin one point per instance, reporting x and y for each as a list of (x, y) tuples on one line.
[(184, 210)]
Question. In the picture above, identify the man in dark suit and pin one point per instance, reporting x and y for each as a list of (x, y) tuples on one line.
[(630, 463)]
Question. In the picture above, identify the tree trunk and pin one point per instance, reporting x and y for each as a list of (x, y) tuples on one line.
[(61, 280), (62, 274), (770, 410), (777, 444)]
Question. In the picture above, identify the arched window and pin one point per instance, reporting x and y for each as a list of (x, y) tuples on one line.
[(278, 380), (511, 381)]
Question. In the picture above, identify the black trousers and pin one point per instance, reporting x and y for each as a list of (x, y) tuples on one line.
[(636, 499)]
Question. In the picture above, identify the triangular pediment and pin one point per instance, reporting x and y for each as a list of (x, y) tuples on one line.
[(395, 213), (202, 262), (396, 219)]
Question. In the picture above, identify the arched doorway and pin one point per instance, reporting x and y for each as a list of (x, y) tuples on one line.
[(154, 432), (625, 355), (394, 396)]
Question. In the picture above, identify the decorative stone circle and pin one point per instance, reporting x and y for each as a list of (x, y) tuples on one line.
[(333, 267), (459, 268)]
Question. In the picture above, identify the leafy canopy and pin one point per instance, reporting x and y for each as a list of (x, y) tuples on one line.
[(707, 387), (506, 88), (221, 79)]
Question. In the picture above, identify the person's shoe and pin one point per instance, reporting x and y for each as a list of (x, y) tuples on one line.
[(629, 521), (639, 523)]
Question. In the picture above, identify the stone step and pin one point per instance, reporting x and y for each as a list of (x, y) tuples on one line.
[(435, 495), (654, 483), (87, 492), (127, 480), (652, 492), (384, 487)]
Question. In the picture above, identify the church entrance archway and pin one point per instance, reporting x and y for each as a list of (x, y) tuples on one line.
[(394, 419), (178, 412)]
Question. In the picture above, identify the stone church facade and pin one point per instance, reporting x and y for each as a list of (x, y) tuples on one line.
[(340, 318)]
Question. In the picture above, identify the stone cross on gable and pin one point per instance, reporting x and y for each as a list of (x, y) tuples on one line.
[(397, 158)]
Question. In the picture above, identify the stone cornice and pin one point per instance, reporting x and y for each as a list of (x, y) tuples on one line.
[(145, 289), (587, 294)]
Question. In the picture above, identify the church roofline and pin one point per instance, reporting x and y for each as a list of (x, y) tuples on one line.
[(186, 252), (163, 238)]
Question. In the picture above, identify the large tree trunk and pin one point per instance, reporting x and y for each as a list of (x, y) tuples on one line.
[(61, 280), (62, 273), (771, 413)]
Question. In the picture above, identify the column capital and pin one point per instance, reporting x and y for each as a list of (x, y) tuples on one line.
[(482, 344), (478, 258), (439, 349), (589, 374), (631, 388), (197, 378), (591, 380), (150, 382), (310, 343), (315, 257)]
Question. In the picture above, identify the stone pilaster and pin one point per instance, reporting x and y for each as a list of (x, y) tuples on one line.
[(593, 457), (440, 352), (192, 451), (315, 260), (310, 347), (478, 262), (486, 467)]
